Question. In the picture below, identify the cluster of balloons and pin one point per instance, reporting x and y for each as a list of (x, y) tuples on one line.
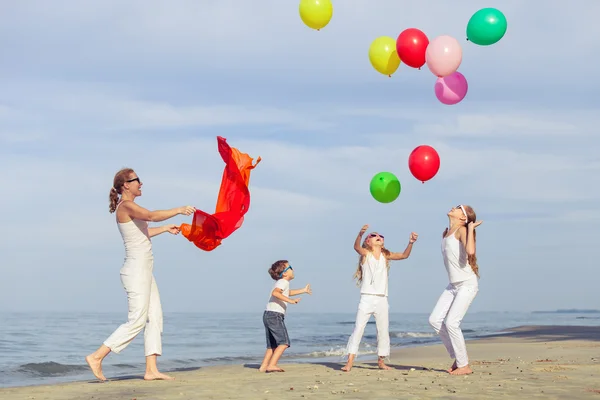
[(443, 54)]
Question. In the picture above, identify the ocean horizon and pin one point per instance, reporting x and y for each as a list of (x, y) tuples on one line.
[(49, 347)]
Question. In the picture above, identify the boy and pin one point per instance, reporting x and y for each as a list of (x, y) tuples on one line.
[(273, 317)]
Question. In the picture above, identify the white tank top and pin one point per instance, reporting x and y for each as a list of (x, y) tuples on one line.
[(374, 275), (455, 259), (135, 238)]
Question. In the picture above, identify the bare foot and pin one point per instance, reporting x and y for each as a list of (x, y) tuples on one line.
[(347, 367), (262, 368), (96, 366), (452, 368), (466, 370), (382, 365), (274, 369), (157, 376)]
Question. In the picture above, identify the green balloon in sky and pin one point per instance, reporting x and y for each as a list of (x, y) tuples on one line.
[(486, 26), (385, 187)]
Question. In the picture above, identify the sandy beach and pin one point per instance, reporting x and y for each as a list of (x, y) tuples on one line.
[(550, 362)]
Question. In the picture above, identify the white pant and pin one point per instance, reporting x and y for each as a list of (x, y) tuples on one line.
[(379, 307), (448, 314), (144, 306)]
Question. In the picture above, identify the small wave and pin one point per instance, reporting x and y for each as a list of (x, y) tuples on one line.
[(218, 360), (412, 334), (337, 351), (353, 322), (50, 368)]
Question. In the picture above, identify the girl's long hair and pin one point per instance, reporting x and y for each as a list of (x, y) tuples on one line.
[(472, 259)]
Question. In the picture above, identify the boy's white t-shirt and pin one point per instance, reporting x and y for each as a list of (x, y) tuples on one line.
[(274, 303)]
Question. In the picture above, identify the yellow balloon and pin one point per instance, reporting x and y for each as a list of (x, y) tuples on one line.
[(383, 55), (316, 14)]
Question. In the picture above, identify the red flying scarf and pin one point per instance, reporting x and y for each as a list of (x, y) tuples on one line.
[(207, 231)]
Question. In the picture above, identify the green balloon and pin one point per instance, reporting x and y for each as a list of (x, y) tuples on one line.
[(486, 26), (385, 187)]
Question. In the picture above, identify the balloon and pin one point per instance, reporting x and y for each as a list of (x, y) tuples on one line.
[(451, 89), (385, 187), (411, 46), (424, 163), (443, 56), (486, 26), (316, 14), (383, 55)]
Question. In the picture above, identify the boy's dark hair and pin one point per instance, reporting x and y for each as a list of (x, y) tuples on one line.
[(277, 268)]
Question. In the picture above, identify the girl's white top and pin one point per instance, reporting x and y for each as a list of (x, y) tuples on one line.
[(135, 238), (374, 275), (455, 260)]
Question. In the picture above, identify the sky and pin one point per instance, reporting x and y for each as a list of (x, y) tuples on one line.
[(89, 87)]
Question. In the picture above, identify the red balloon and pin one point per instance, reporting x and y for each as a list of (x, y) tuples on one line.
[(410, 46), (424, 163)]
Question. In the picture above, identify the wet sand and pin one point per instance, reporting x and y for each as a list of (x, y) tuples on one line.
[(550, 362)]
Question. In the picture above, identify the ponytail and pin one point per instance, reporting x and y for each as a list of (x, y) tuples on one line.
[(117, 188), (113, 199)]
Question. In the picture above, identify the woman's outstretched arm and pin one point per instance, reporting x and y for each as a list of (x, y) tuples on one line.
[(138, 212)]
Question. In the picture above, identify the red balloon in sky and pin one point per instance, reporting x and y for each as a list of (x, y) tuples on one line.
[(411, 46), (424, 163)]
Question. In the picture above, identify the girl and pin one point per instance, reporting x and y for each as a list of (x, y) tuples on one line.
[(458, 250), (143, 300), (372, 276)]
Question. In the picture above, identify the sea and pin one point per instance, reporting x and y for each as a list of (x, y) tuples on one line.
[(46, 348)]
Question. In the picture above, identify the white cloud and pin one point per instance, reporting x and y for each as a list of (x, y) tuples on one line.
[(270, 40)]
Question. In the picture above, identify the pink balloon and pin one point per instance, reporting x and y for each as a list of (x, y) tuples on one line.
[(451, 89), (443, 55)]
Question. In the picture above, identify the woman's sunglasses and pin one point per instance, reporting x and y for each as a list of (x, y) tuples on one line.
[(372, 235), (134, 179)]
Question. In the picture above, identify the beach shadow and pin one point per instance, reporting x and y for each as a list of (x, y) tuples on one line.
[(551, 333), (124, 378), (141, 377), (408, 367)]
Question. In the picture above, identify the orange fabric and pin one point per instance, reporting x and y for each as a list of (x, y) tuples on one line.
[(208, 230)]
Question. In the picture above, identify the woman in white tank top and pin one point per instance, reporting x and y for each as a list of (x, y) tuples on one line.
[(458, 251), (372, 275), (145, 310)]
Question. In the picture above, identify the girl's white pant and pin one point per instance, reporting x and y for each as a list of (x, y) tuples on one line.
[(379, 307), (448, 314), (144, 306)]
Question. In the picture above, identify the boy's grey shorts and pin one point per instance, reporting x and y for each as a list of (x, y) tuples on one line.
[(275, 329)]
